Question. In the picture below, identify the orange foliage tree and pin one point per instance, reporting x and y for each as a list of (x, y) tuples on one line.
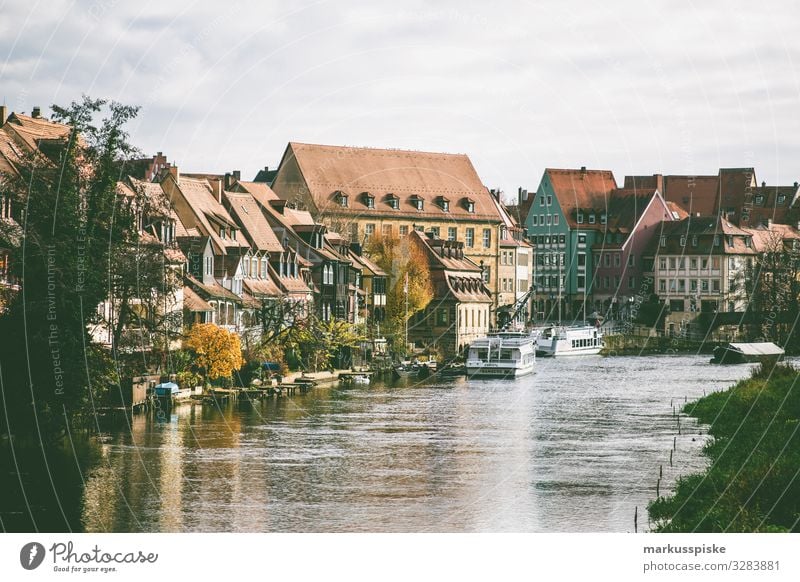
[(218, 352), (406, 262)]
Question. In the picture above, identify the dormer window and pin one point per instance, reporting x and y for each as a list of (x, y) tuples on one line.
[(591, 218), (747, 241), (342, 199), (469, 204), (444, 203), (222, 232), (417, 202), (683, 240), (781, 199), (579, 217), (603, 218), (503, 232), (730, 240), (759, 199), (233, 234), (393, 201), (663, 241), (694, 241), (369, 200), (716, 240)]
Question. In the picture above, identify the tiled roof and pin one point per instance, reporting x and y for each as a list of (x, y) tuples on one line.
[(205, 209), (247, 212), (193, 302), (358, 172), (692, 193), (211, 291), (261, 287), (580, 189)]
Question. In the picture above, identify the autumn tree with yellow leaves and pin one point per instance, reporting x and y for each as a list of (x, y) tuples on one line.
[(406, 262), (218, 352)]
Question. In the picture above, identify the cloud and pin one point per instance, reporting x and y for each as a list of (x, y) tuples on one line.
[(631, 86)]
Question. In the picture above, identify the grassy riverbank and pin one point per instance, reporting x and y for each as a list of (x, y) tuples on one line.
[(753, 482)]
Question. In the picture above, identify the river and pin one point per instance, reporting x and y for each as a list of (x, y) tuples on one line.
[(575, 447)]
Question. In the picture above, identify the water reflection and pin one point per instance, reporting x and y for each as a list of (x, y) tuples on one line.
[(574, 447)]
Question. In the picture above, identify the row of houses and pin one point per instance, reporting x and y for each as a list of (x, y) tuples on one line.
[(292, 240), (688, 240)]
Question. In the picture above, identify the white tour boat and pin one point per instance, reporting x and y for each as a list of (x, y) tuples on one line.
[(575, 340), (505, 354)]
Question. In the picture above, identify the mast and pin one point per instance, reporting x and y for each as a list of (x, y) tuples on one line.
[(405, 288), (559, 291)]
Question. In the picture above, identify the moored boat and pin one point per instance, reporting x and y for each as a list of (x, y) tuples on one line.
[(740, 353), (575, 340), (502, 354)]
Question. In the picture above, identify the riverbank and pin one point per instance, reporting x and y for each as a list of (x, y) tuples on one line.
[(637, 345), (751, 483)]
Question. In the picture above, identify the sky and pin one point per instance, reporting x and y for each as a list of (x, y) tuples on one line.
[(635, 87)]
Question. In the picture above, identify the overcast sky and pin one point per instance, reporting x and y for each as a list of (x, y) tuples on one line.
[(635, 87)]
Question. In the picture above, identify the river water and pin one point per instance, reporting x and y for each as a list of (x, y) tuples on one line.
[(574, 447)]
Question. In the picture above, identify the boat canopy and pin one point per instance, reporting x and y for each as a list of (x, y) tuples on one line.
[(757, 349)]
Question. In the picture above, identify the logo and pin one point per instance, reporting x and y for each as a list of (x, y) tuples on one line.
[(31, 555)]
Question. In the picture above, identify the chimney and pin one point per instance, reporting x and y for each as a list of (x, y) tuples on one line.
[(237, 175), (228, 181), (660, 183), (522, 195), (796, 184), (4, 115), (36, 112), (583, 171), (173, 169), (763, 184)]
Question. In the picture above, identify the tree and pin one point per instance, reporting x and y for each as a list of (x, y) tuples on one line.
[(218, 352), (324, 344), (72, 224), (410, 289)]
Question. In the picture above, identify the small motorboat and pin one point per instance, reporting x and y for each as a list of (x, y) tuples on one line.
[(740, 353)]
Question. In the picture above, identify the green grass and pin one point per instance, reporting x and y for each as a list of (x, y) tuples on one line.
[(753, 482)]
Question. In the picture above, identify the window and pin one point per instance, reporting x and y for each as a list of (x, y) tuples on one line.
[(370, 201), (694, 241), (222, 232), (541, 201), (716, 240), (693, 263), (715, 285), (759, 199), (579, 217), (264, 268), (441, 317), (549, 200), (581, 239), (631, 282), (663, 241), (683, 240), (603, 218), (470, 237), (562, 239), (445, 206), (394, 202), (704, 263), (403, 229), (342, 198), (541, 219), (435, 231), (693, 285), (581, 281), (662, 285), (581, 259), (617, 259), (548, 218), (606, 282), (704, 285), (555, 220), (715, 263), (369, 229), (591, 218), (682, 264), (386, 230), (470, 206), (732, 263), (662, 263), (682, 285), (209, 265), (781, 200), (487, 238), (563, 257), (486, 272), (535, 220), (673, 263), (631, 260), (417, 202), (607, 260), (451, 233)]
